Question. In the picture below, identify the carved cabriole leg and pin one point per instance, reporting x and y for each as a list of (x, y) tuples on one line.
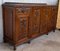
[(14, 48), (54, 30), (47, 34), (4, 40), (28, 42)]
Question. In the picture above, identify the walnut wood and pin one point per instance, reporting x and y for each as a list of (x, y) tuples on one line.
[(23, 22)]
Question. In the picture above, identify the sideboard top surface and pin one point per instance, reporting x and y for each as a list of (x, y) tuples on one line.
[(25, 4)]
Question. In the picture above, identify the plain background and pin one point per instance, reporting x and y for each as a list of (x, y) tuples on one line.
[(53, 2)]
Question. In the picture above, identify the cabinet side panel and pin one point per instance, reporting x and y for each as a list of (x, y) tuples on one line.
[(8, 21), (54, 16)]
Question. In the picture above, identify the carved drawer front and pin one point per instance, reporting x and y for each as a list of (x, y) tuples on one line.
[(23, 10), (21, 27), (34, 23)]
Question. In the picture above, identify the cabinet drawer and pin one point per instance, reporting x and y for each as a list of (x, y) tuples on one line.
[(23, 10)]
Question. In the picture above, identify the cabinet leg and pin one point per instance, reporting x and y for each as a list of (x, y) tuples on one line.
[(28, 42), (53, 30), (14, 48), (4, 40), (47, 34)]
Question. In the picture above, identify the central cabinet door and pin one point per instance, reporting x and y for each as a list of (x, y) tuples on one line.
[(43, 20), (34, 21)]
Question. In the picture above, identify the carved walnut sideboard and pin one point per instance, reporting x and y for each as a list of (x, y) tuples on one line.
[(25, 21)]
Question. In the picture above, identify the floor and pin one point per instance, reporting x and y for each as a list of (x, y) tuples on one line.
[(49, 42)]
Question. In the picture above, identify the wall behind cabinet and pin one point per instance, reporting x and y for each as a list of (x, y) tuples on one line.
[(1, 23), (58, 20), (34, 1)]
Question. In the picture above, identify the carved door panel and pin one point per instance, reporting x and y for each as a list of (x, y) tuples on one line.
[(34, 22), (43, 21), (21, 27)]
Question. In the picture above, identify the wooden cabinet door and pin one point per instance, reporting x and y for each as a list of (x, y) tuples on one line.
[(49, 16), (48, 19), (34, 21), (21, 27), (43, 21), (22, 23), (54, 16)]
